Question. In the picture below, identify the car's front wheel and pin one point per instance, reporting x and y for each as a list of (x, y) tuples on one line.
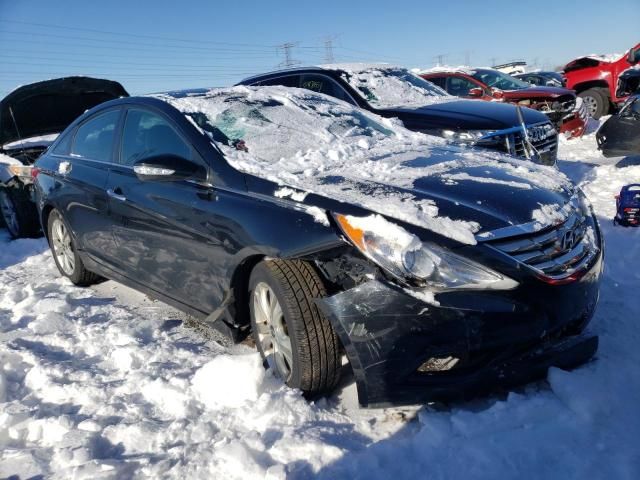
[(64, 251), (294, 338), (596, 100)]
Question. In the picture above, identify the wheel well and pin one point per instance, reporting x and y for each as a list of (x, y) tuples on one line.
[(581, 87), (46, 211), (239, 310)]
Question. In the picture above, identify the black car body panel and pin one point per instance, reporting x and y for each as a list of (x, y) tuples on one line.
[(192, 244), (619, 136), (457, 116)]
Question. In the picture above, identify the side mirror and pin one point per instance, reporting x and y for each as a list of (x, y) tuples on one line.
[(634, 55), (497, 93), (166, 168), (475, 92)]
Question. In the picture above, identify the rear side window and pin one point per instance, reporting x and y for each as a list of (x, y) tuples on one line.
[(288, 81), (324, 84), (147, 134), (94, 138), (439, 81), (460, 86)]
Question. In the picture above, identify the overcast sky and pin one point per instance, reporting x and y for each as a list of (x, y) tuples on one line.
[(157, 45)]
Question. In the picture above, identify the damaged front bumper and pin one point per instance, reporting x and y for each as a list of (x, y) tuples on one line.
[(403, 350)]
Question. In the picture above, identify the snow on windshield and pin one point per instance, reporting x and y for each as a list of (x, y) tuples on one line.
[(308, 141), (388, 86)]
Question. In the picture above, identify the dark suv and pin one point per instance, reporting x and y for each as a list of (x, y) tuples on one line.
[(438, 271), (395, 92)]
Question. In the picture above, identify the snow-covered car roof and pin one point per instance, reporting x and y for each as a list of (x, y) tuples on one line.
[(388, 86), (446, 69), (308, 141)]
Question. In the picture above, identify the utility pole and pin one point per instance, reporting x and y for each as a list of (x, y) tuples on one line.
[(493, 61), (288, 58), (440, 59), (328, 50), (467, 58)]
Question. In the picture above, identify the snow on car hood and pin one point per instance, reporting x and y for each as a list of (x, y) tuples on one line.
[(317, 144), (387, 86)]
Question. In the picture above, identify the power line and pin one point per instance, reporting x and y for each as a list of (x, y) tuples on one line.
[(156, 37)]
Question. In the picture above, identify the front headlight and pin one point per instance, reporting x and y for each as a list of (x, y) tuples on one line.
[(420, 263), (21, 171)]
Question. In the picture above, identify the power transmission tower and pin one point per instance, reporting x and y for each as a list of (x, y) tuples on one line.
[(328, 50), (493, 61), (288, 58), (440, 59), (467, 57)]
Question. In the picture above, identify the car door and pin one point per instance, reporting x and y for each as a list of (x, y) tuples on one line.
[(83, 168), (170, 236), (627, 136)]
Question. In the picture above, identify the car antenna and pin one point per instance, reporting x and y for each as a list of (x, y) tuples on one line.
[(15, 124)]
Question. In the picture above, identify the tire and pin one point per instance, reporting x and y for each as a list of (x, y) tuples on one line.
[(19, 212), (596, 100), (64, 252), (315, 360)]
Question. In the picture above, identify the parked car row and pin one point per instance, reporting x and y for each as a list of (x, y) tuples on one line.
[(561, 105), (306, 207), (296, 208)]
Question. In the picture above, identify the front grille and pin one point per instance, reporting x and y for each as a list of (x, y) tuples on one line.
[(543, 138), (557, 251)]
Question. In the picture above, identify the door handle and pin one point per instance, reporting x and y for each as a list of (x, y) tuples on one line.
[(116, 196)]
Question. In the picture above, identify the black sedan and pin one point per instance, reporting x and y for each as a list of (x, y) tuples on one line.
[(327, 231), (394, 92), (619, 136)]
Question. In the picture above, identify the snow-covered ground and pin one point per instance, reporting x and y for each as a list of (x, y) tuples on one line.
[(104, 383)]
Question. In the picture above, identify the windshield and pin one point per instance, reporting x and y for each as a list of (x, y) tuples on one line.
[(496, 79), (394, 87), (271, 127)]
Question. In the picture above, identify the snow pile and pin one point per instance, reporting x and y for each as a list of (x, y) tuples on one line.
[(386, 86)]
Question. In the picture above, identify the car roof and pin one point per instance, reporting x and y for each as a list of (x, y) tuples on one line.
[(330, 67)]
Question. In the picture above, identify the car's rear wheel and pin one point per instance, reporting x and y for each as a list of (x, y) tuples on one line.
[(596, 101), (19, 214), (294, 338), (64, 251)]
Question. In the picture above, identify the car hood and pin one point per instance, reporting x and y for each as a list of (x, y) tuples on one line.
[(464, 115), (537, 93), (455, 192), (48, 107)]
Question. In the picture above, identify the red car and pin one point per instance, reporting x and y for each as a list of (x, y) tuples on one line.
[(595, 78), (561, 105)]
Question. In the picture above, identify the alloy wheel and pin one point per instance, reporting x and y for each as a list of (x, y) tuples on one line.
[(273, 333), (62, 247), (591, 104), (9, 213)]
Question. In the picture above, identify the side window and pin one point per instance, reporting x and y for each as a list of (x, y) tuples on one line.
[(460, 86), (324, 84), (288, 81), (147, 134), (439, 81), (94, 138)]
